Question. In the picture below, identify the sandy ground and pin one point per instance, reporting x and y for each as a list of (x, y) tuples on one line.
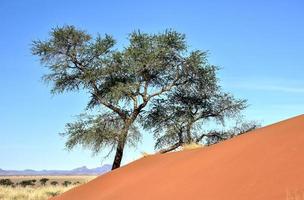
[(267, 164)]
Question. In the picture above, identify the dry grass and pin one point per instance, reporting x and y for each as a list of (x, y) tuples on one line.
[(31, 193), (191, 146), (39, 192), (145, 154)]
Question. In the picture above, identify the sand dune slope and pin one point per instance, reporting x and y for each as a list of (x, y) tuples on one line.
[(267, 164)]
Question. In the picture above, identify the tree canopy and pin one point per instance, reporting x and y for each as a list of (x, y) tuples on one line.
[(120, 82), (180, 118)]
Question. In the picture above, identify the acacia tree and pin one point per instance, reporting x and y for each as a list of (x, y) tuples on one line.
[(121, 82), (180, 118)]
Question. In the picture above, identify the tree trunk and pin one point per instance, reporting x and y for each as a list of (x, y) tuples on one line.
[(189, 139), (171, 148), (176, 145), (120, 148)]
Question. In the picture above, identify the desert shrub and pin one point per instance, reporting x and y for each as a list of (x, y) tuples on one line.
[(6, 182), (66, 183), (43, 181), (53, 193), (54, 183), (76, 183), (25, 183)]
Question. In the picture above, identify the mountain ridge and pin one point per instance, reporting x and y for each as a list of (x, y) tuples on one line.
[(76, 171)]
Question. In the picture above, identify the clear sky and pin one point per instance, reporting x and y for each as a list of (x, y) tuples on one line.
[(259, 45)]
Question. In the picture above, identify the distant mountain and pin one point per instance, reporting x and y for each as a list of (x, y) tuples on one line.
[(77, 171)]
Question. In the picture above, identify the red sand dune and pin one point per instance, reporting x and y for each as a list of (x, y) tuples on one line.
[(267, 164)]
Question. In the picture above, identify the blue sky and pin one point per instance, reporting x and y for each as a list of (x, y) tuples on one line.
[(258, 44)]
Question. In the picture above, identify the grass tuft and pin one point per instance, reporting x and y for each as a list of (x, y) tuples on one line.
[(192, 146), (145, 154)]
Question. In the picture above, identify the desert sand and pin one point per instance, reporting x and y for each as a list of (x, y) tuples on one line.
[(266, 164)]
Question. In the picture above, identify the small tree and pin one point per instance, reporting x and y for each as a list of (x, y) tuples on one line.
[(66, 183), (121, 82), (6, 182), (43, 181), (179, 119), (54, 183)]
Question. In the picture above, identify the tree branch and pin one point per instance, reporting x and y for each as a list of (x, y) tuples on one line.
[(166, 88), (171, 148), (119, 111), (213, 133)]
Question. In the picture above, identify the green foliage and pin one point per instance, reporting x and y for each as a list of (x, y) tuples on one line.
[(6, 182), (53, 193), (66, 183), (43, 181), (97, 132), (76, 183), (54, 183), (179, 119), (154, 78), (239, 128), (25, 183), (122, 81)]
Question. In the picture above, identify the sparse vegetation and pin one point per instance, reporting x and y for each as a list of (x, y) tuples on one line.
[(54, 183), (31, 193), (76, 183), (6, 182), (66, 183), (27, 188), (25, 183)]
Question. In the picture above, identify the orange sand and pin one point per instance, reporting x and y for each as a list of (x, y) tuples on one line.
[(267, 164)]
